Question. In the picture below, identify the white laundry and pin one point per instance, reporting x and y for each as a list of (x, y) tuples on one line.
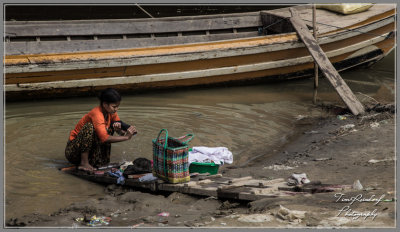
[(298, 179), (147, 177), (218, 155)]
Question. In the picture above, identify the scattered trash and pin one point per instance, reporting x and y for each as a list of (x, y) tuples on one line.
[(340, 117), (357, 185), (300, 117), (162, 217), (79, 219), (290, 215), (227, 205), (99, 221), (223, 223), (374, 161), (276, 167), (389, 200), (369, 188), (345, 128), (374, 125), (124, 165), (322, 159), (255, 218), (348, 126), (311, 132), (137, 225), (298, 178), (163, 214), (115, 214), (384, 121)]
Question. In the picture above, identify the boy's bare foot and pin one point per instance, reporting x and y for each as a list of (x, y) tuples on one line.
[(87, 167)]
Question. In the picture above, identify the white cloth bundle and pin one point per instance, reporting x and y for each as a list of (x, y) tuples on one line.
[(218, 155)]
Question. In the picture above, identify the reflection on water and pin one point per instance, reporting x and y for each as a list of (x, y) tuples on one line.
[(249, 120)]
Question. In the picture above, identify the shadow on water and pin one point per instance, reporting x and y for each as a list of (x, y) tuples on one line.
[(248, 120)]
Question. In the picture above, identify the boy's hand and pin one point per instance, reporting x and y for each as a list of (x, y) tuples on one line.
[(117, 126), (132, 130)]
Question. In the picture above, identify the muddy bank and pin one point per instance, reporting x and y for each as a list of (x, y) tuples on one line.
[(333, 149)]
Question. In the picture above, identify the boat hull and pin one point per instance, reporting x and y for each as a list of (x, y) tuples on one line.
[(261, 58)]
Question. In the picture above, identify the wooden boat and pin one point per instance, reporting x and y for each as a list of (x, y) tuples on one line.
[(77, 57)]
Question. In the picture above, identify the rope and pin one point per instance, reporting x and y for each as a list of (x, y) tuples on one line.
[(273, 23), (144, 10)]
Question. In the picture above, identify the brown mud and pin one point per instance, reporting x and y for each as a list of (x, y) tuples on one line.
[(335, 149)]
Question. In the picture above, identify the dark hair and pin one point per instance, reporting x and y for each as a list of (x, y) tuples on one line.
[(109, 95)]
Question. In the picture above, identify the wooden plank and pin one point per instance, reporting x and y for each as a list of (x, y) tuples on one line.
[(76, 28), (326, 66), (236, 180), (17, 48), (137, 20), (207, 187)]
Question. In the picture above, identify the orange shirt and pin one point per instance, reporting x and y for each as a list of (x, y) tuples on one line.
[(96, 117)]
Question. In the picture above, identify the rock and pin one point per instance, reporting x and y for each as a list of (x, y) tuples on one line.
[(228, 205), (348, 126), (15, 222), (290, 215), (374, 125), (357, 185), (322, 159), (255, 218), (276, 167), (311, 220), (374, 161)]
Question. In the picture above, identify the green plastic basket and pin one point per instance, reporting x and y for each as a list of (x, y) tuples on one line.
[(211, 168)]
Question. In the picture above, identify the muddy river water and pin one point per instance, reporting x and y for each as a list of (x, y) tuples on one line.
[(248, 120)]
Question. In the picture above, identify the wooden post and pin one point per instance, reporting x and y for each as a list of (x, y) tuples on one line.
[(315, 63), (325, 65)]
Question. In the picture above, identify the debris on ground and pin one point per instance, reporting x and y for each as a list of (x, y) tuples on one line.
[(374, 125), (277, 167), (163, 214), (228, 205), (374, 161), (322, 159), (254, 218), (300, 117), (286, 214), (298, 178), (99, 221), (357, 185), (137, 225)]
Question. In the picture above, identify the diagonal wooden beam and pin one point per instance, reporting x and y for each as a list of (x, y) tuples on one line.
[(325, 65)]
